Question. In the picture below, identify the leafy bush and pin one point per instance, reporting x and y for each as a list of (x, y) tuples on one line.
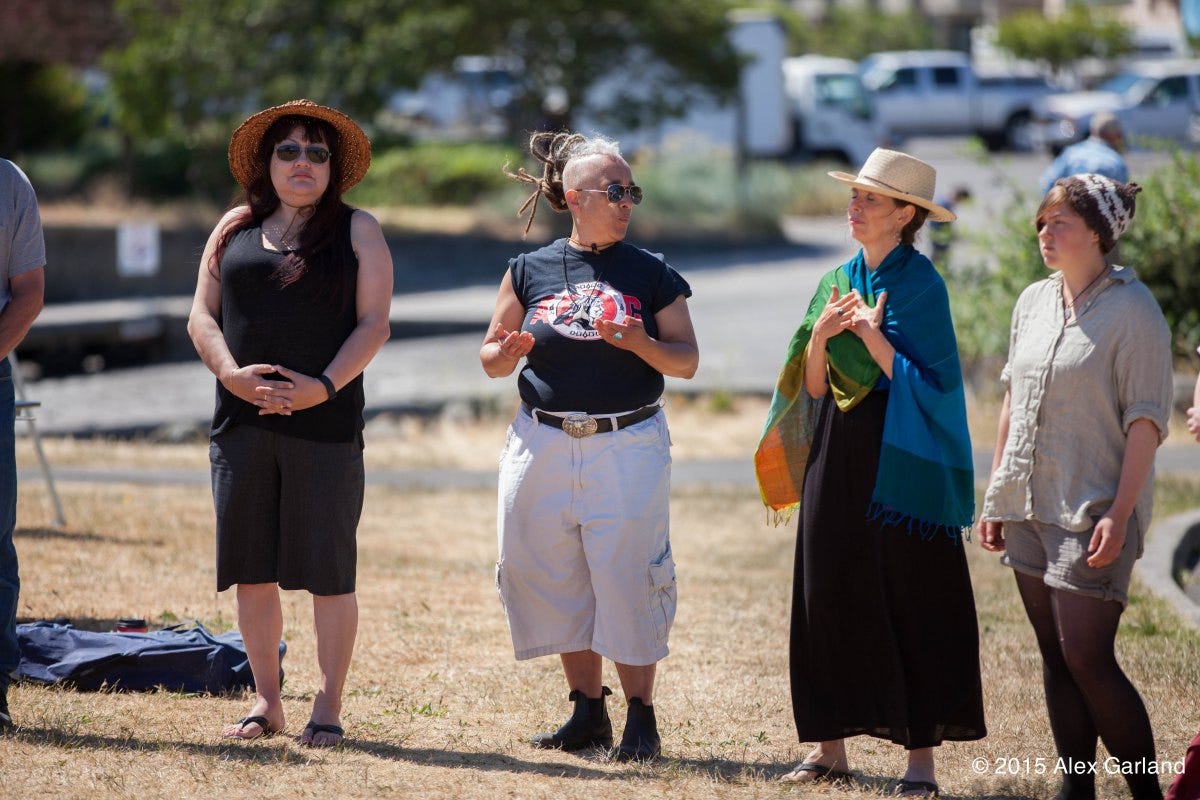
[(693, 192), (433, 174), (985, 273), (1163, 246)]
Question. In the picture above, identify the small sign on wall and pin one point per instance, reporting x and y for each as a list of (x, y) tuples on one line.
[(138, 251)]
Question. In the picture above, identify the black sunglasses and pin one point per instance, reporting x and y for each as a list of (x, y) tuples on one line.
[(290, 152), (616, 192)]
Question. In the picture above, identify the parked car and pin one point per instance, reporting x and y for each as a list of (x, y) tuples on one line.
[(932, 92), (475, 99), (832, 115), (1159, 99)]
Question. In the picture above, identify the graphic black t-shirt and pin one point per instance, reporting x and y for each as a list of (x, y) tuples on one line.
[(564, 291)]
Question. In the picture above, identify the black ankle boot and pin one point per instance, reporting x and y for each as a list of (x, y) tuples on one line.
[(589, 725), (6, 722), (640, 742)]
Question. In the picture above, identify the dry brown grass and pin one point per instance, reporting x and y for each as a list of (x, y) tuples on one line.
[(435, 705)]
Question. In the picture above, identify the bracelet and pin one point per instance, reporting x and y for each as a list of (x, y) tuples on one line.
[(328, 384)]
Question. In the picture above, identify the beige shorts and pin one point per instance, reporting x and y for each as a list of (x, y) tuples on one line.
[(585, 557), (1059, 557)]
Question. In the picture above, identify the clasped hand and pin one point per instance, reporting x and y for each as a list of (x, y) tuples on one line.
[(271, 396), (1193, 422), (849, 312)]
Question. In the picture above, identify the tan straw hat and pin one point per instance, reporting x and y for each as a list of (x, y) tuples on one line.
[(901, 176), (353, 152)]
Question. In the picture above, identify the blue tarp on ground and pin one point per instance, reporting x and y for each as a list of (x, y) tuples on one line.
[(190, 660)]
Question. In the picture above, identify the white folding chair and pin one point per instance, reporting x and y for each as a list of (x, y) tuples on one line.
[(24, 413)]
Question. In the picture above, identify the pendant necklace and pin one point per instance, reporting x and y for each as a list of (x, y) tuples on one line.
[(1069, 308), (281, 238), (581, 310), (595, 248)]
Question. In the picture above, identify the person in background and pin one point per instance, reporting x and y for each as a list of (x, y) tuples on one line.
[(1089, 390), (22, 286), (292, 303), (941, 234), (867, 438), (585, 568), (1100, 154)]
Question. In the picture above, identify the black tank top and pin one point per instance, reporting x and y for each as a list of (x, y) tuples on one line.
[(295, 326)]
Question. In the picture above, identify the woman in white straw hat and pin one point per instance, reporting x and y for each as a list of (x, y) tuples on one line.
[(867, 439), (1089, 394), (292, 303)]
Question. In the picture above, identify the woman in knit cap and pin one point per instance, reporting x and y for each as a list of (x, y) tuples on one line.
[(1088, 396)]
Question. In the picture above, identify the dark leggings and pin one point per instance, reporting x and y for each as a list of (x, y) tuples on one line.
[(1087, 694)]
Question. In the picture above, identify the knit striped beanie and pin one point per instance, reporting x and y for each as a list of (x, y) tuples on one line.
[(1107, 206)]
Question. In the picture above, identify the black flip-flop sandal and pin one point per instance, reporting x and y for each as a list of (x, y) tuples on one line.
[(822, 773), (906, 788), (260, 721), (317, 727)]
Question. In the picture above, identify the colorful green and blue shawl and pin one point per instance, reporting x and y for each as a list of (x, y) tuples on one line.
[(925, 477)]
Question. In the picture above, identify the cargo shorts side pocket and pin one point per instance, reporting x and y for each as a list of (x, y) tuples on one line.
[(663, 595)]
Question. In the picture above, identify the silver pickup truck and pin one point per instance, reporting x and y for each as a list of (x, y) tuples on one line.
[(1152, 99), (938, 92)]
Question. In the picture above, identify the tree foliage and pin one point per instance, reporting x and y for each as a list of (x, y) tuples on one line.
[(855, 32), (1059, 42), (41, 106), (188, 63)]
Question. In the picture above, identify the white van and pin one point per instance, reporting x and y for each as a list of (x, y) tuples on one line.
[(831, 112)]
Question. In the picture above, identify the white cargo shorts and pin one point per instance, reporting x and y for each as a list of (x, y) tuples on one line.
[(585, 557)]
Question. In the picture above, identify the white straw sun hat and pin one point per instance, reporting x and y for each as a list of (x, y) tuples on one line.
[(901, 176)]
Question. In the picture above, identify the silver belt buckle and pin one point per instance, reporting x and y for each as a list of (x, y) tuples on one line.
[(579, 426)]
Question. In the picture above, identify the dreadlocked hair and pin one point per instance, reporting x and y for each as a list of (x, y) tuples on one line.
[(554, 150)]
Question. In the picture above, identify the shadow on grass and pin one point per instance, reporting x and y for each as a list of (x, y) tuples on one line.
[(281, 749), (68, 536)]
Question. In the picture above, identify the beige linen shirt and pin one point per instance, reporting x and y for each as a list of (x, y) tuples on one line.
[(1076, 388)]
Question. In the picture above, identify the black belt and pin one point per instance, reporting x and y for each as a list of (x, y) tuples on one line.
[(582, 425)]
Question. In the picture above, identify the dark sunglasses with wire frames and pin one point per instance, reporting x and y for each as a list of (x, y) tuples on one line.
[(290, 152), (616, 192)]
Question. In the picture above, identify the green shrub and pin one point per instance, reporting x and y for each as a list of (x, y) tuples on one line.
[(985, 273), (697, 192), (1163, 246), (433, 174)]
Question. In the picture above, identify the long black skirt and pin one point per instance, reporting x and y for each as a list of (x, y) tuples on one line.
[(884, 636)]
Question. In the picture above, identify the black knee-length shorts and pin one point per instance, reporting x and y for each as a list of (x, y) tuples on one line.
[(287, 510)]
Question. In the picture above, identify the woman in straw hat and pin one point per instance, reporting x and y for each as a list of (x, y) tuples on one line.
[(867, 438), (585, 568), (1089, 396), (292, 303)]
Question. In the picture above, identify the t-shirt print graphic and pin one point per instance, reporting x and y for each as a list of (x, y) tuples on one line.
[(574, 311)]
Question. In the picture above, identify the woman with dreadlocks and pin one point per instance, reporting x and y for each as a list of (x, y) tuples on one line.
[(585, 567)]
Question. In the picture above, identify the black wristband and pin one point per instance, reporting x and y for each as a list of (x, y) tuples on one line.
[(328, 384)]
